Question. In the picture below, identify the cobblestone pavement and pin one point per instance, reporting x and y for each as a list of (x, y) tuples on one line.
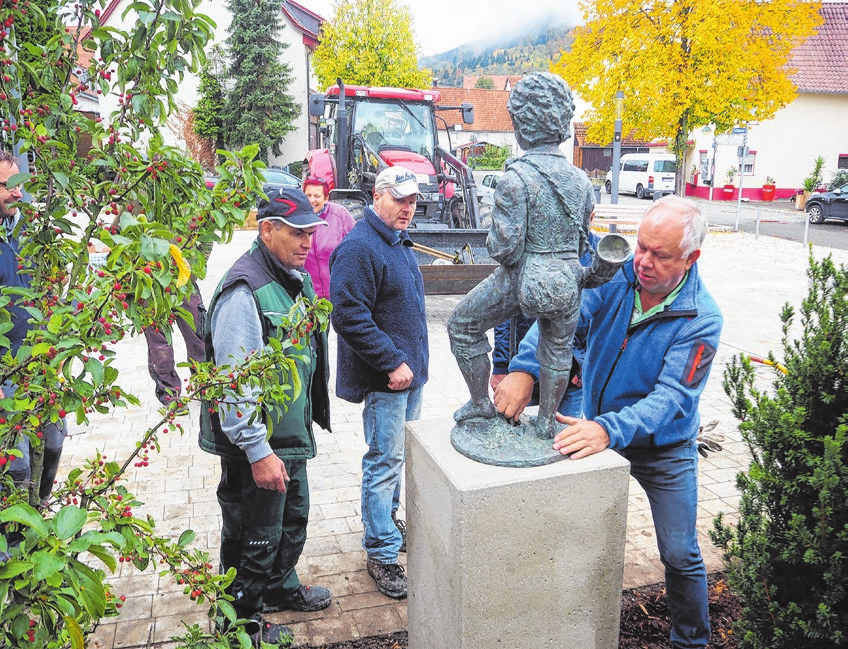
[(750, 279)]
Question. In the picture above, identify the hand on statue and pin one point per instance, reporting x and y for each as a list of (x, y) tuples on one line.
[(513, 394), (400, 378), (582, 437), (270, 473)]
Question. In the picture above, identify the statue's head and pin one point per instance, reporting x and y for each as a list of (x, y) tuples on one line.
[(541, 108)]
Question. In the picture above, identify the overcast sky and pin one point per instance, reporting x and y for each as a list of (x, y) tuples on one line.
[(441, 25)]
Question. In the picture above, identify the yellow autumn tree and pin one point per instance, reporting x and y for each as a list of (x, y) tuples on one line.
[(685, 64), (370, 43)]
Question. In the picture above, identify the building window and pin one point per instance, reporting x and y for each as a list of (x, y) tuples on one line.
[(705, 165), (607, 153), (747, 166), (843, 161)]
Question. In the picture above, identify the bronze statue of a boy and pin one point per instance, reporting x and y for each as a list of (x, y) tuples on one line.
[(540, 226)]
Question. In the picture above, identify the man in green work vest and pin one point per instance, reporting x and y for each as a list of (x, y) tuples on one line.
[(263, 492)]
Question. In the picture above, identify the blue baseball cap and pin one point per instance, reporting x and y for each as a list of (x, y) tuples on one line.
[(290, 206)]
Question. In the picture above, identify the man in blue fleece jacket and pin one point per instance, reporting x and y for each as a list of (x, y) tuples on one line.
[(378, 312), (651, 334)]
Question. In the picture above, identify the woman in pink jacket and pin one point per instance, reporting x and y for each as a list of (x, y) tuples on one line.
[(324, 242)]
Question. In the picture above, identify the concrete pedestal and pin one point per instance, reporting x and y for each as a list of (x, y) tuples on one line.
[(512, 557)]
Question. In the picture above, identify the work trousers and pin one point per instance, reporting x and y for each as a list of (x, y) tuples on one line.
[(262, 535)]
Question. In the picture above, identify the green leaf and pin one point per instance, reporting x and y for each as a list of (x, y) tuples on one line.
[(75, 631), (127, 221), (186, 538), (25, 515), (18, 179), (69, 521), (61, 179), (227, 610), (95, 368), (104, 555), (13, 568), (46, 564), (66, 603), (89, 588), (153, 249), (41, 349)]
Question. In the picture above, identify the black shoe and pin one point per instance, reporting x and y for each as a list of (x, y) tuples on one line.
[(270, 633), (389, 577), (401, 525), (305, 598)]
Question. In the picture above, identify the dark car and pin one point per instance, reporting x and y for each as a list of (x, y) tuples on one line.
[(830, 205), (275, 178)]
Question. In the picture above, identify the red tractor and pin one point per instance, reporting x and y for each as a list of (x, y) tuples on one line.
[(366, 129)]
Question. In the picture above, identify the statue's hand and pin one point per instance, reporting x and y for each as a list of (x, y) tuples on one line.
[(513, 394)]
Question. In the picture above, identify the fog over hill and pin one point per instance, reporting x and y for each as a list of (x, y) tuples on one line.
[(525, 48)]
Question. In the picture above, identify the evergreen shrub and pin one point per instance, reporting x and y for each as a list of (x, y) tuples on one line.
[(787, 557)]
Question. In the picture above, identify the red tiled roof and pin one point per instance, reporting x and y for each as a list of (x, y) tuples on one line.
[(822, 60), (490, 113)]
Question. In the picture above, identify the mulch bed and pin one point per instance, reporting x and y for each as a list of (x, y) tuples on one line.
[(644, 621)]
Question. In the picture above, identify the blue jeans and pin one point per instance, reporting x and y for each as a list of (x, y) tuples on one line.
[(572, 402), (669, 476), (384, 420)]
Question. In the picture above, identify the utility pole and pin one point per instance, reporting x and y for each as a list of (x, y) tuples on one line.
[(742, 153), (616, 146)]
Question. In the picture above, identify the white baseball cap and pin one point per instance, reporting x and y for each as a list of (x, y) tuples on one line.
[(399, 181)]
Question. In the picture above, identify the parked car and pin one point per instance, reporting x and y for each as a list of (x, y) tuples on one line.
[(828, 205), (275, 178), (643, 174), (486, 188)]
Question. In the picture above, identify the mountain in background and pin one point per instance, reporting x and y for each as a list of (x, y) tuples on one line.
[(531, 50)]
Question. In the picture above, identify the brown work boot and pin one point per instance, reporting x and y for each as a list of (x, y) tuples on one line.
[(389, 577)]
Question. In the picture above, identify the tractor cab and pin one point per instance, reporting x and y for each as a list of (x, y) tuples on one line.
[(367, 129)]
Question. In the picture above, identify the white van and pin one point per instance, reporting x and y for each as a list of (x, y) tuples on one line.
[(643, 174)]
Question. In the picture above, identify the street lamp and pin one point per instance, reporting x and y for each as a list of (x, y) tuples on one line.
[(616, 146)]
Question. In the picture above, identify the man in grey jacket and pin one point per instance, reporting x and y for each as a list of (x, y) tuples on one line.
[(264, 492)]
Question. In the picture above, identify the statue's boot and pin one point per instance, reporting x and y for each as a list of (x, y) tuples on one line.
[(475, 371), (552, 386)]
